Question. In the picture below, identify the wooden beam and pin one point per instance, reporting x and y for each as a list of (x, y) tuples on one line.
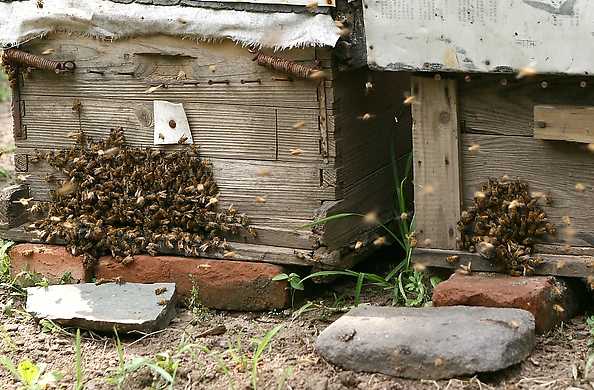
[(557, 265), (436, 162), (242, 251), (564, 123)]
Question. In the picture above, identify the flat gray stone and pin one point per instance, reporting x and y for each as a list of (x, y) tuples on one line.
[(428, 343), (128, 306)]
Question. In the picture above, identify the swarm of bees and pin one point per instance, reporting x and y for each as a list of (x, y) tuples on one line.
[(503, 224), (125, 201)]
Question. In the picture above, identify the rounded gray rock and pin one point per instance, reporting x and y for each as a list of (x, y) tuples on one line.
[(428, 343)]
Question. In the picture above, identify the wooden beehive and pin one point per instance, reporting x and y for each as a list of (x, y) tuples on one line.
[(470, 128), (323, 154)]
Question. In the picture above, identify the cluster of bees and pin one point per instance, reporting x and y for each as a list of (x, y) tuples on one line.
[(124, 201), (503, 223)]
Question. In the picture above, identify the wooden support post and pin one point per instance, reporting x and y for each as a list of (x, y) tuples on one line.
[(436, 162)]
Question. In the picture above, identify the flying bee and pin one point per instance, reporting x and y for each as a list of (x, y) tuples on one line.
[(365, 117), (379, 241), (23, 178), (295, 152), (358, 245), (260, 199), (409, 100), (298, 125), (23, 201)]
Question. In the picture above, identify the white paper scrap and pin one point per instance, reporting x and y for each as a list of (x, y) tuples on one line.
[(171, 124)]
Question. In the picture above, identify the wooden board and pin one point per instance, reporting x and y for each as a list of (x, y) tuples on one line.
[(435, 162), (126, 69), (502, 105), (242, 251), (558, 265), (554, 167), (564, 123), (221, 131)]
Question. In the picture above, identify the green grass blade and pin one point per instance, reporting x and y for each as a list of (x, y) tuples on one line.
[(358, 288), (330, 273), (78, 362), (260, 350), (331, 218), (9, 366)]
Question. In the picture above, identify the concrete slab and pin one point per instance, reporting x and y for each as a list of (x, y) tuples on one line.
[(128, 306)]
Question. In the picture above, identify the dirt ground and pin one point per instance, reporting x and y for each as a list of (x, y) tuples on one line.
[(224, 360)]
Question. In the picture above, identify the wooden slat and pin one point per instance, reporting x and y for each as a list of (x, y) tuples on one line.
[(221, 131), (242, 251), (374, 193), (548, 167), (557, 265), (159, 60), (488, 107), (564, 123), (436, 165), (289, 203)]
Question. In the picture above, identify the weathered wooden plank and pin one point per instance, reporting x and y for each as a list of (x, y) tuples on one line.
[(436, 165), (373, 194), (557, 265), (364, 141), (125, 69), (241, 251), (490, 106), (221, 131), (289, 203), (564, 123), (548, 167), (298, 135)]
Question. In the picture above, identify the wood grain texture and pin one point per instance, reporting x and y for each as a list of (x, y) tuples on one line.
[(564, 123), (488, 107), (221, 131), (128, 68), (548, 167), (556, 265), (242, 251), (436, 162)]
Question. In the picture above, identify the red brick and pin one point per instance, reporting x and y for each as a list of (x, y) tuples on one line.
[(51, 261), (542, 296), (222, 284)]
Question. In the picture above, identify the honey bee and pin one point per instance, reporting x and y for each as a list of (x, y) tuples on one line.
[(453, 259), (260, 199), (525, 72), (298, 125), (474, 148), (312, 5), (160, 290), (379, 241), (163, 302), (23, 201), (409, 100), (295, 152), (580, 187), (367, 116), (358, 245), (182, 140)]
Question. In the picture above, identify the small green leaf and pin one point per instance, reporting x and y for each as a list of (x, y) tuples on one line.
[(280, 277), (435, 280), (296, 284)]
